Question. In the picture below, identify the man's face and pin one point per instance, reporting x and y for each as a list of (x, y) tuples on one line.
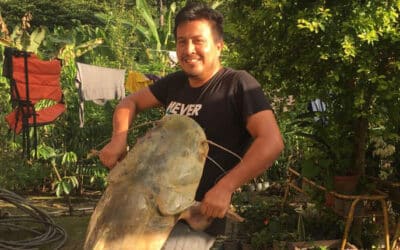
[(198, 50)]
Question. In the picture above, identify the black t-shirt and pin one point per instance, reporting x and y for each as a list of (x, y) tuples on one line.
[(221, 107)]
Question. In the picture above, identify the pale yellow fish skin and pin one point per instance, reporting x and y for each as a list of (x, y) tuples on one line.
[(148, 190)]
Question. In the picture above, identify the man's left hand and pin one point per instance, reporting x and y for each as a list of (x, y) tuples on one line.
[(217, 201)]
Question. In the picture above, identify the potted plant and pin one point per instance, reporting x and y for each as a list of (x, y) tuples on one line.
[(326, 153), (326, 159)]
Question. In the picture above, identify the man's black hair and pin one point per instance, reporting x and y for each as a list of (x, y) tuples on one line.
[(197, 11)]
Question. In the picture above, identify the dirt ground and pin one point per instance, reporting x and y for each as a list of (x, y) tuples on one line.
[(74, 224), (57, 209)]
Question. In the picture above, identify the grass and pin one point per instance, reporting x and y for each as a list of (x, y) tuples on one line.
[(75, 226)]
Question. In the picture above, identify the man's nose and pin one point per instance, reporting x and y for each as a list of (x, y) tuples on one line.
[(190, 48)]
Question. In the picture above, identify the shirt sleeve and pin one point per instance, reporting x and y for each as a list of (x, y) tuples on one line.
[(160, 90), (252, 98), (167, 86)]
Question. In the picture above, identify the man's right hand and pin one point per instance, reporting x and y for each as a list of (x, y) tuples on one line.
[(124, 114), (113, 152)]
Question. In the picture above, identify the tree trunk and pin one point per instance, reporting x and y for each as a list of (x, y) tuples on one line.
[(360, 144)]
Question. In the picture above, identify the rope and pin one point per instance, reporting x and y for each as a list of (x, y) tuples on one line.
[(48, 233)]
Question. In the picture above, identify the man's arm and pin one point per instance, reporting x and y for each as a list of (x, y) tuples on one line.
[(264, 150), (124, 114)]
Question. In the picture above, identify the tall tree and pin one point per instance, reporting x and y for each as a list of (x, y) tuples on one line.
[(344, 52)]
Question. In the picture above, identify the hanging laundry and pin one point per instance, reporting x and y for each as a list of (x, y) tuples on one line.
[(136, 81), (173, 58), (98, 84)]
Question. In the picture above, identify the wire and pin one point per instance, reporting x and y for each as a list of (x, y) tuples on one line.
[(50, 233)]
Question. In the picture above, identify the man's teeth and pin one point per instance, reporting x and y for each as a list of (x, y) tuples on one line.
[(191, 60)]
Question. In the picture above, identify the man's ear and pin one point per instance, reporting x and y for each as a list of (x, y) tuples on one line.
[(220, 45)]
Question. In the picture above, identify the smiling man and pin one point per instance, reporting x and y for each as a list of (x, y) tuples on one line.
[(230, 106)]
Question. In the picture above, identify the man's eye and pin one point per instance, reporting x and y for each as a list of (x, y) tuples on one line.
[(200, 41)]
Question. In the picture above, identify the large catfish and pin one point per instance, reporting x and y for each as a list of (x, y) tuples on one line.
[(148, 190)]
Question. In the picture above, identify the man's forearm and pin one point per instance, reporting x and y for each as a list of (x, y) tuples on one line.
[(259, 157), (122, 118)]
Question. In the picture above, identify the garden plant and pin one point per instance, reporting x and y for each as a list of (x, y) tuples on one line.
[(344, 53)]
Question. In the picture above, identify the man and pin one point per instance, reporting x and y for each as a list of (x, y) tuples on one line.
[(228, 104)]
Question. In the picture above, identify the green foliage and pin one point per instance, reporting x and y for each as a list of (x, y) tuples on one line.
[(20, 175), (51, 13), (265, 222), (63, 146), (344, 53), (64, 166), (151, 33), (156, 37), (120, 42), (54, 150), (20, 38), (268, 222), (66, 185)]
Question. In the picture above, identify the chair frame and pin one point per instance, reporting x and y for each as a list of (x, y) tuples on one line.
[(24, 107)]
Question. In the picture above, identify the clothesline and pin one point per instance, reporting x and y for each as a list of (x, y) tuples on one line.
[(99, 84), (136, 48), (54, 55), (94, 83), (171, 53)]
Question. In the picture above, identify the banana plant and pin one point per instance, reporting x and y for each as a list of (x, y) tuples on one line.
[(71, 51), (20, 38), (151, 33), (159, 37)]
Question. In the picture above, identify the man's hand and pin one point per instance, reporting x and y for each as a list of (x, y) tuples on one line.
[(195, 218), (114, 151), (217, 201), (125, 112)]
